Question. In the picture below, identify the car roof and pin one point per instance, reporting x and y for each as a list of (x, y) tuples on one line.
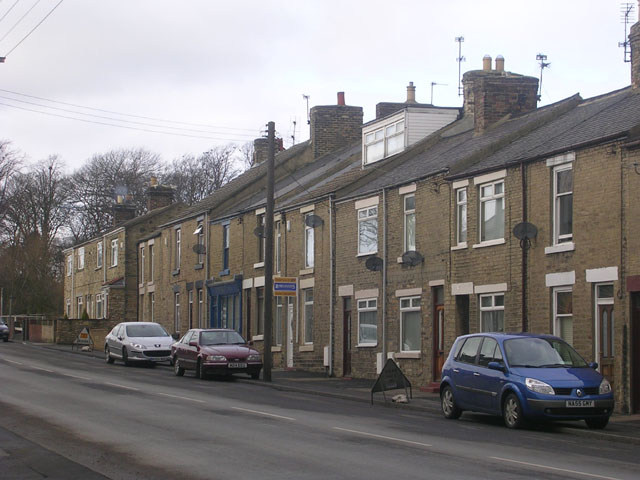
[(508, 335)]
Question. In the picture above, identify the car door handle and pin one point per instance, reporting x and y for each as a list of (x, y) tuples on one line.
[(455, 370), (476, 374)]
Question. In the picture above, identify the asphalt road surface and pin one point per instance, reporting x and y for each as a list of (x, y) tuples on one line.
[(144, 423)]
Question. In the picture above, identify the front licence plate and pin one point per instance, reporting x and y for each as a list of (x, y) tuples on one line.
[(580, 403), (237, 365)]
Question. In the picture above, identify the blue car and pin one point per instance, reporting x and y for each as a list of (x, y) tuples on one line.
[(523, 376)]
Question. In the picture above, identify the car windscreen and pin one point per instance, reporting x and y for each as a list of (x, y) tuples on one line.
[(221, 338), (146, 330), (534, 352)]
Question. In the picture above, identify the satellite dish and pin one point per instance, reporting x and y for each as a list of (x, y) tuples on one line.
[(525, 231), (258, 232), (374, 264), (313, 221), (199, 249), (412, 258)]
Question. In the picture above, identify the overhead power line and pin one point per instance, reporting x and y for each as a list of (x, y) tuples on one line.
[(20, 20), (34, 28), (9, 11)]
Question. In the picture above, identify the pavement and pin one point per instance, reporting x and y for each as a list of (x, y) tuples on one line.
[(621, 428)]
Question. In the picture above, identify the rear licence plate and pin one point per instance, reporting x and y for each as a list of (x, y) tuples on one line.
[(237, 365), (580, 403)]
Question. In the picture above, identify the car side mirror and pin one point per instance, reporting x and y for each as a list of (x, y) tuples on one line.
[(501, 367), (594, 365), (250, 343), (193, 344), (175, 335)]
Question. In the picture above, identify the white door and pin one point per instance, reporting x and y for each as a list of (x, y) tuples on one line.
[(290, 333)]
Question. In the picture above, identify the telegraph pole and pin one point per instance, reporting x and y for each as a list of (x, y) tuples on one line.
[(268, 256)]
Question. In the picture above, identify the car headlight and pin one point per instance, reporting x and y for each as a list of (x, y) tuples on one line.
[(539, 386), (254, 358), (605, 387), (139, 346), (216, 358)]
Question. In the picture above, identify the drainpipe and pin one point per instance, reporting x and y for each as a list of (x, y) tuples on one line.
[(525, 321), (331, 292), (384, 276), (205, 290)]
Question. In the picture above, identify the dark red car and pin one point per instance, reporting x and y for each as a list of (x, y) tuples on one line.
[(215, 351)]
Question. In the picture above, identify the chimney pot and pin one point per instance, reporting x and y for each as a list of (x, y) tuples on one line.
[(486, 63), (154, 181), (341, 98), (411, 93), (500, 63)]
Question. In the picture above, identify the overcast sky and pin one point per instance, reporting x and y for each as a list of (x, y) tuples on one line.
[(226, 68)]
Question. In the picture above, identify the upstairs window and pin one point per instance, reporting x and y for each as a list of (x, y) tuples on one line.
[(309, 253), (225, 247), (409, 223), (152, 263), (200, 241), (142, 263), (261, 238), (492, 211), (178, 249), (461, 216), (114, 252), (81, 258), (367, 230), (69, 265), (278, 246), (563, 204), (99, 255), (384, 142)]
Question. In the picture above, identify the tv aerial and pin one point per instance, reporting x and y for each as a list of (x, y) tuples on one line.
[(541, 57), (460, 59), (626, 12)]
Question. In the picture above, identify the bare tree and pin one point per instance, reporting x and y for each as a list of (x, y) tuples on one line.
[(9, 162), (195, 178), (245, 154), (95, 186)]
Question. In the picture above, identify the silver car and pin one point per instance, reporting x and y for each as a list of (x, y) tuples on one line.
[(138, 342)]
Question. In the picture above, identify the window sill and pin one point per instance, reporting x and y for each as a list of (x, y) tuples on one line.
[(199, 266), (460, 246), (490, 243), (306, 348), (561, 247), (99, 267), (257, 338), (276, 349), (408, 355), (258, 265), (306, 271), (366, 345), (224, 272), (367, 254), (176, 272)]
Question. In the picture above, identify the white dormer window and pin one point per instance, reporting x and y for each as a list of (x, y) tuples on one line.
[(384, 141)]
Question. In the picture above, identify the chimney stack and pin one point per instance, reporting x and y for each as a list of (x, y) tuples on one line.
[(634, 41), (158, 196), (122, 210), (411, 93), (489, 95), (334, 127)]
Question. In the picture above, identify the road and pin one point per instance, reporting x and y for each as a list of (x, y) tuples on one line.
[(145, 423)]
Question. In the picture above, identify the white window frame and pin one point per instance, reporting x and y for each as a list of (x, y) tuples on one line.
[(226, 243), (492, 308), (367, 305), (308, 315), (176, 311), (409, 305), (409, 213), (558, 318), (69, 265), (200, 307), (483, 200), (99, 306), (81, 258), (278, 246), (79, 306), (177, 249), (99, 253), (309, 243), (558, 238), (68, 308), (461, 216), (114, 252), (200, 233), (368, 214), (142, 264), (383, 136), (277, 333), (152, 306), (152, 262)]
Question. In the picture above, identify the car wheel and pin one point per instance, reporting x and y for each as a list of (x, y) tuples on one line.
[(125, 356), (598, 423), (107, 355), (177, 369), (449, 407), (200, 371), (512, 412)]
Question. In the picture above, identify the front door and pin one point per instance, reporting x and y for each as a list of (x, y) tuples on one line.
[(605, 331), (290, 332), (346, 337), (635, 352), (438, 341)]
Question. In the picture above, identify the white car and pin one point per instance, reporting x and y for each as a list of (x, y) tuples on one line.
[(138, 342)]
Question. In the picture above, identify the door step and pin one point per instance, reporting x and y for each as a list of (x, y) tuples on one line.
[(433, 387)]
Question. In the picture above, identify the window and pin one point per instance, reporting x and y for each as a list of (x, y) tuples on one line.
[(260, 300), (178, 249), (367, 230), (88, 304), (200, 233), (461, 216), (99, 255), (308, 314), (176, 311), (99, 309), (69, 265), (492, 313), (81, 258), (141, 264), (79, 305), (368, 322), (261, 238), (383, 142), (563, 204), (563, 314), (410, 324), (68, 307), (492, 211), (106, 305), (308, 243), (114, 252), (152, 261), (409, 223), (225, 247), (469, 350), (278, 246), (190, 309), (277, 328), (489, 352), (200, 307), (152, 306)]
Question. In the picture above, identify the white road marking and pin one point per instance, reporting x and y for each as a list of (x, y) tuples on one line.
[(263, 413), (554, 468), (43, 369), (122, 386), (12, 361), (76, 376), (182, 398), (383, 437)]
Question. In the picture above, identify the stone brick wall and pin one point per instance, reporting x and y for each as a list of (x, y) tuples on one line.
[(334, 127), (497, 96), (68, 329), (634, 39)]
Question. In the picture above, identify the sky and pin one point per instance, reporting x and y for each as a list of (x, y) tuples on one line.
[(180, 77)]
